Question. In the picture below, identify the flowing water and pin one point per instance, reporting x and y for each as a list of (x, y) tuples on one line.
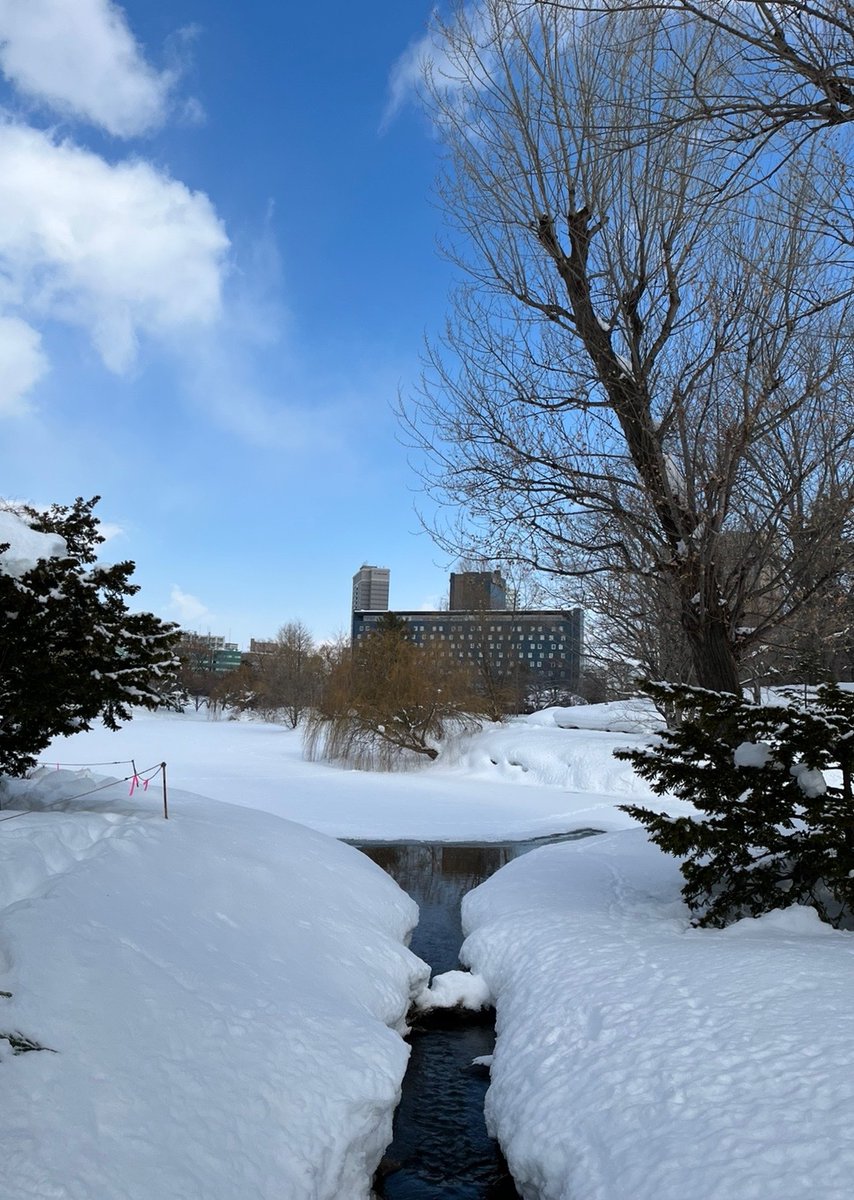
[(440, 1149)]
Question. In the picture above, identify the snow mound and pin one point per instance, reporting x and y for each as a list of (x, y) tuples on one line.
[(225, 992), (455, 989), (636, 715), (538, 752), (798, 920)]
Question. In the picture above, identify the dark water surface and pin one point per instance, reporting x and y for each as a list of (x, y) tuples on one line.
[(440, 1149)]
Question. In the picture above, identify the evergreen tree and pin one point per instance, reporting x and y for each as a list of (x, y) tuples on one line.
[(70, 651), (773, 831), (391, 624)]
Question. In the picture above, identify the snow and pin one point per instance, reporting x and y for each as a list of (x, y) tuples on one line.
[(751, 754), (471, 793), (635, 715), (811, 780), (455, 989), (638, 1057), (675, 477), (798, 919), (26, 546), (226, 990)]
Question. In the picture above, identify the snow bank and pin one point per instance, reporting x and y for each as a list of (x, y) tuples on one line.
[(26, 545), (224, 991), (536, 752), (639, 1058), (634, 715)]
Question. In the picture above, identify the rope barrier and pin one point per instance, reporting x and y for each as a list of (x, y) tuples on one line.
[(12, 818), (137, 779), (118, 762)]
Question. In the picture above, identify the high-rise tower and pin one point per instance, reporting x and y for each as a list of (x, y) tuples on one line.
[(370, 589)]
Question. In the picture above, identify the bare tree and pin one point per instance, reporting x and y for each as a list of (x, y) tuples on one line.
[(772, 77), (786, 63), (288, 674), (634, 632), (648, 370), (197, 668)]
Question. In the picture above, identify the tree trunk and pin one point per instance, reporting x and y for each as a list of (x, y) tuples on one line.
[(712, 654)]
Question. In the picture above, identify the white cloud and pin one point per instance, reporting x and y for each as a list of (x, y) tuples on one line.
[(109, 530), (80, 57), (435, 55), (408, 71), (188, 610), (22, 364), (118, 249)]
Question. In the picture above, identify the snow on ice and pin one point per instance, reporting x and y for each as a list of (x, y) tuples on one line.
[(455, 989)]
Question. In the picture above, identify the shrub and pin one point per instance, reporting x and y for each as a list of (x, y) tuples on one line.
[(387, 702), (773, 831)]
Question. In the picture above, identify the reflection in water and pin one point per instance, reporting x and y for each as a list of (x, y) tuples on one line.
[(437, 877), (440, 1149)]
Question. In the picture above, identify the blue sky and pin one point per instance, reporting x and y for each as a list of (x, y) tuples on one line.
[(217, 266)]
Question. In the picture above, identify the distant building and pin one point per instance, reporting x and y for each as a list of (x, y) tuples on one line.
[(209, 652), (543, 645), (478, 590), (263, 646), (546, 644), (370, 589)]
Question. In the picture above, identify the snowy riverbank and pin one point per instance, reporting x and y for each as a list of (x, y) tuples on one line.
[(223, 993), (638, 1057)]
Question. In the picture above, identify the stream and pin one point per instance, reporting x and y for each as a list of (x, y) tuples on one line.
[(441, 1149)]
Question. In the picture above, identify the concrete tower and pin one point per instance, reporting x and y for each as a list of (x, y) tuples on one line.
[(370, 589)]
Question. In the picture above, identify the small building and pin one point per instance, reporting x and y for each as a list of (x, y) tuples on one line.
[(263, 646), (209, 652)]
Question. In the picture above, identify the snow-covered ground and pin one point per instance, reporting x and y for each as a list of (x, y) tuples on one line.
[(223, 989), (569, 779), (639, 1058), (223, 994)]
